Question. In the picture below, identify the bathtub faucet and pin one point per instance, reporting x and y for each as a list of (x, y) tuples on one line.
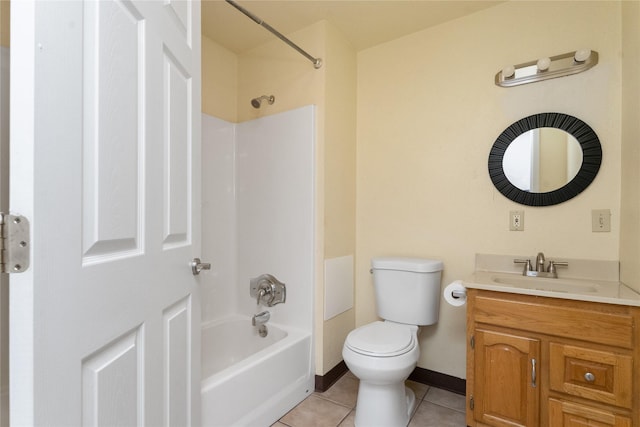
[(260, 318)]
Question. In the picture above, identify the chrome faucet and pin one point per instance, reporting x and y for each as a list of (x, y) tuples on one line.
[(539, 270), (260, 318), (540, 262)]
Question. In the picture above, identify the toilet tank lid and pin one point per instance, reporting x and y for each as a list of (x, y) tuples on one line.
[(417, 265)]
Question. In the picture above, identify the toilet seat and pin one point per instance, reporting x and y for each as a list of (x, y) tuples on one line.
[(382, 339)]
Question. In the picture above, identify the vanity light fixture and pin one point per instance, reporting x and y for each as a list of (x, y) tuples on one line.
[(547, 68)]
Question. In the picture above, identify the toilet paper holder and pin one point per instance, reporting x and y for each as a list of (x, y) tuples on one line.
[(459, 293)]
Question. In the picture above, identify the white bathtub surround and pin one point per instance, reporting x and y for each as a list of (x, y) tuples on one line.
[(275, 211), (338, 286), (258, 218), (231, 340), (252, 381), (218, 218)]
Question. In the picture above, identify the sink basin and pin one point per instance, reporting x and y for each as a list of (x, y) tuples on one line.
[(543, 284)]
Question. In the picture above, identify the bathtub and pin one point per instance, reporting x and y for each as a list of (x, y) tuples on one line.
[(252, 381)]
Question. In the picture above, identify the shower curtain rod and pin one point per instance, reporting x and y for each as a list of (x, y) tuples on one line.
[(317, 62)]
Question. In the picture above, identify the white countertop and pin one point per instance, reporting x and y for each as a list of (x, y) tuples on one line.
[(582, 290), (604, 289)]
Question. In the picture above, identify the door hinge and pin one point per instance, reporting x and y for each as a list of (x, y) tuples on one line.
[(471, 403), (14, 247), (472, 342)]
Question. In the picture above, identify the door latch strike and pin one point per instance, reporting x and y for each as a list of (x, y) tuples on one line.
[(14, 248)]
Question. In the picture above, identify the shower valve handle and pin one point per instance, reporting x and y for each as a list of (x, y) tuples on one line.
[(267, 290)]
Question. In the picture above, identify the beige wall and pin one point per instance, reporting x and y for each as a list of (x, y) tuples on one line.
[(339, 180), (428, 112), (219, 81), (427, 115), (4, 23), (630, 202), (275, 69)]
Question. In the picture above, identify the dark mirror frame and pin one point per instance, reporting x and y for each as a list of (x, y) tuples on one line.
[(591, 158)]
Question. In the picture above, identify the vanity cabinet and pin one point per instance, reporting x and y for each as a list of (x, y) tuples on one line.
[(540, 361)]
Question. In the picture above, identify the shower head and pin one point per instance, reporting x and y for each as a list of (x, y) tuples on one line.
[(255, 102)]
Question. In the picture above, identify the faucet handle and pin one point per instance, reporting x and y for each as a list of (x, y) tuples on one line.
[(527, 265), (554, 264), (267, 290)]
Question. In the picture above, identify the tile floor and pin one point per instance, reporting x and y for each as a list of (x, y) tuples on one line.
[(336, 407)]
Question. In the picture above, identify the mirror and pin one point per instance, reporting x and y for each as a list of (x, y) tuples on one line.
[(545, 159), (542, 160)]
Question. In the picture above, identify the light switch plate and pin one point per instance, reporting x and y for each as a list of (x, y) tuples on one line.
[(600, 220)]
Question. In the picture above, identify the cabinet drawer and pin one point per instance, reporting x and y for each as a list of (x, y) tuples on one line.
[(601, 376), (569, 414), (579, 320)]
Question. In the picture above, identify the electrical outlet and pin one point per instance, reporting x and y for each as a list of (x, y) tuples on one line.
[(600, 220), (516, 220)]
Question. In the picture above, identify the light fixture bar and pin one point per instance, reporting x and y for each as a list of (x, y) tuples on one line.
[(547, 68)]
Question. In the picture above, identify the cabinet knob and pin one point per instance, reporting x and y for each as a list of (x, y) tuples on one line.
[(589, 377)]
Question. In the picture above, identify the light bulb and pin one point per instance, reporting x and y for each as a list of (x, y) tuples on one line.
[(582, 55), (508, 71), (543, 64)]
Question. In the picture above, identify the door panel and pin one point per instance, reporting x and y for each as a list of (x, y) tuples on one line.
[(111, 391), (105, 324), (177, 173), (113, 162), (177, 325)]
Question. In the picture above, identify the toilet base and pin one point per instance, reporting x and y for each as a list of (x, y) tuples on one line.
[(389, 405)]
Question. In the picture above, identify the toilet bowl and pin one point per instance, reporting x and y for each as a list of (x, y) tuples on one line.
[(382, 354)]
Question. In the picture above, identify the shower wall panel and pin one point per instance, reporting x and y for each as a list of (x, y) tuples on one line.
[(275, 210), (258, 213), (218, 286)]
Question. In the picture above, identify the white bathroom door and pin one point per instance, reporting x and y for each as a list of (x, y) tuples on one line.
[(105, 146)]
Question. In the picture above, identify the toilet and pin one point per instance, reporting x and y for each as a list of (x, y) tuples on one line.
[(382, 354)]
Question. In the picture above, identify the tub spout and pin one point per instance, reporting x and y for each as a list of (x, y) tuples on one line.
[(260, 318)]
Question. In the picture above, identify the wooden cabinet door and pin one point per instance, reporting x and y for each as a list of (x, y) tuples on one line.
[(569, 414), (506, 391)]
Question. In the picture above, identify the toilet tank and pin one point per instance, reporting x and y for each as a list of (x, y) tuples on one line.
[(407, 289)]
